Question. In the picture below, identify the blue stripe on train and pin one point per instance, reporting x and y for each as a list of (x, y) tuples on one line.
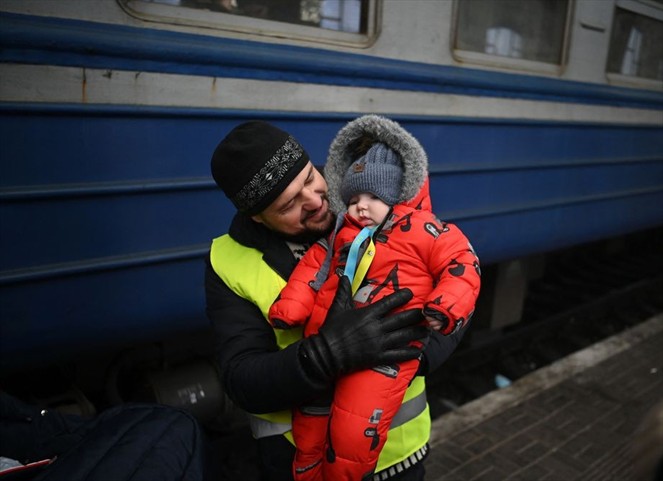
[(106, 212)]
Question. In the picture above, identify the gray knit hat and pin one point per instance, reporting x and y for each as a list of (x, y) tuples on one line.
[(379, 172)]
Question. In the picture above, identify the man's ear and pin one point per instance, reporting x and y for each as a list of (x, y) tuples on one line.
[(256, 218)]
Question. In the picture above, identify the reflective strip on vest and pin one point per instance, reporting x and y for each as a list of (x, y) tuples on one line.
[(243, 270), (261, 428), (409, 410)]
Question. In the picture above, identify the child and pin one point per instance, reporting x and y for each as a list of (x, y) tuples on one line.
[(379, 172)]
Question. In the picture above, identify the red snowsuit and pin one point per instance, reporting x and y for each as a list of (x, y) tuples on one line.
[(415, 250)]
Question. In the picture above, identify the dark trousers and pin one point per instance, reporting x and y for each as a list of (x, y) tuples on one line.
[(415, 473)]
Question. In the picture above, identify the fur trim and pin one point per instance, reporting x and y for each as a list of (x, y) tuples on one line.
[(380, 129)]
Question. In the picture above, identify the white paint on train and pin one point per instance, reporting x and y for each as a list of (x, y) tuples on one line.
[(30, 83)]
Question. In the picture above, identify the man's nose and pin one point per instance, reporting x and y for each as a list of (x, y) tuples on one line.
[(312, 199)]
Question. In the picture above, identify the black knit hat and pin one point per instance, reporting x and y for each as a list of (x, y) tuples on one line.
[(379, 172), (254, 163)]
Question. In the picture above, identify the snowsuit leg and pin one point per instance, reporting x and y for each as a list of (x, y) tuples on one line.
[(365, 404), (309, 430)]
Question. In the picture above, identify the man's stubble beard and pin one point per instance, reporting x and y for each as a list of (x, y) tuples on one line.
[(310, 235)]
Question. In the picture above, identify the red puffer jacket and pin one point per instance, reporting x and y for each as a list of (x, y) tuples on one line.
[(414, 249)]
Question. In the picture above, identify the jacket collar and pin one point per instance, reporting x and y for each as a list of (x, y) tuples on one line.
[(275, 251)]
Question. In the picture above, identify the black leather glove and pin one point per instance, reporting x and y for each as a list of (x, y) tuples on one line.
[(352, 339)]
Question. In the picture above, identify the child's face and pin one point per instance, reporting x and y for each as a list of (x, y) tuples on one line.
[(368, 209)]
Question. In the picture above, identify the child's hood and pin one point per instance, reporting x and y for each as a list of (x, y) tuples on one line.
[(342, 153)]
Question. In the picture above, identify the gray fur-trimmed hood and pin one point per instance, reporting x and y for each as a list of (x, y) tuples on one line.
[(374, 128)]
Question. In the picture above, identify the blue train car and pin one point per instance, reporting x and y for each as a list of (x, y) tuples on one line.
[(544, 131)]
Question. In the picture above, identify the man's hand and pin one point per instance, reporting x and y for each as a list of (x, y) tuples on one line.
[(353, 339)]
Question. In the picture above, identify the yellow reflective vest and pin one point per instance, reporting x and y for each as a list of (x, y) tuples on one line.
[(245, 272)]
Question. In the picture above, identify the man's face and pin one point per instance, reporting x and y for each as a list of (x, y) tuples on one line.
[(301, 213)]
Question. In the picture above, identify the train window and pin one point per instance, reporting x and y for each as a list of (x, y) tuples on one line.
[(336, 21), (636, 41), (516, 33)]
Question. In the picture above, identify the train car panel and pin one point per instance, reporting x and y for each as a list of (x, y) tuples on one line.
[(80, 310)]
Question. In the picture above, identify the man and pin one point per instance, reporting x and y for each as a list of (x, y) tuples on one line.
[(282, 208)]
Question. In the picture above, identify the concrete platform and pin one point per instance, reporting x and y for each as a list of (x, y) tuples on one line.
[(581, 418)]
